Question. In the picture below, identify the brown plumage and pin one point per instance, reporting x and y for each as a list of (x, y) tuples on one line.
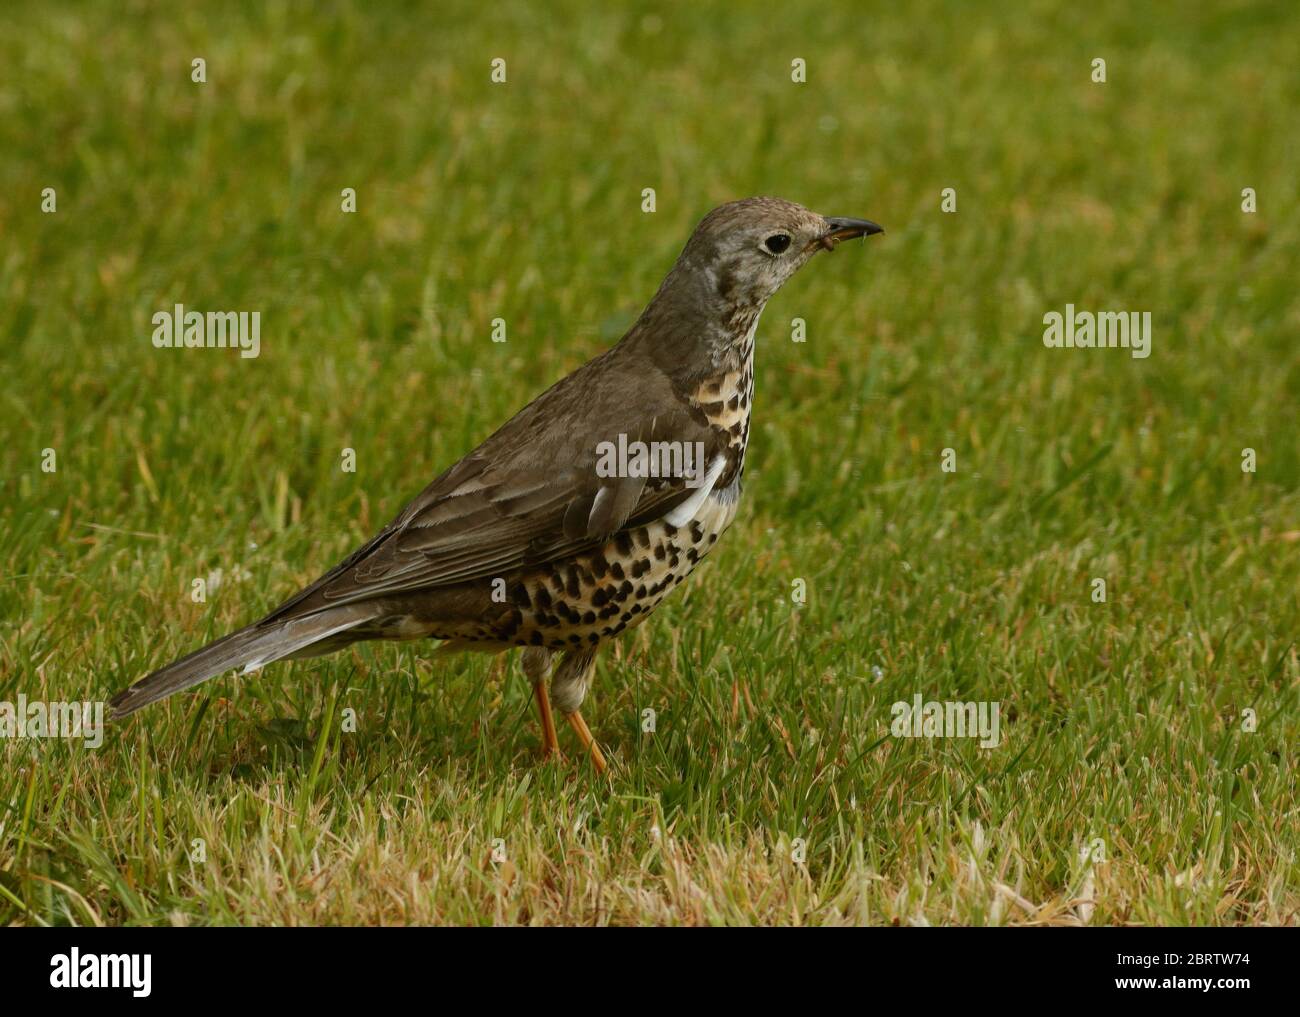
[(525, 541)]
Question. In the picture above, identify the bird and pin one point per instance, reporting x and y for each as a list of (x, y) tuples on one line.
[(540, 538)]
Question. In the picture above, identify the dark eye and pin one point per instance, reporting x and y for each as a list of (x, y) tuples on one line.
[(777, 243)]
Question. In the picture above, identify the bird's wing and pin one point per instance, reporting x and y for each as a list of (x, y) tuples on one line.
[(531, 494)]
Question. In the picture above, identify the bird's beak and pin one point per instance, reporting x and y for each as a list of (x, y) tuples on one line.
[(840, 228)]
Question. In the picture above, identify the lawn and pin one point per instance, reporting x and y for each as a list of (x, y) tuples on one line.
[(932, 493)]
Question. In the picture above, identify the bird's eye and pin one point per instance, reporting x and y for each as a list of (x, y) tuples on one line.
[(777, 243)]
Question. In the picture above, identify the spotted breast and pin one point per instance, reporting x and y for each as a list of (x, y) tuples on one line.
[(596, 596)]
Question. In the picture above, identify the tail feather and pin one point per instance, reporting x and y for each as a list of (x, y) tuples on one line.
[(249, 648)]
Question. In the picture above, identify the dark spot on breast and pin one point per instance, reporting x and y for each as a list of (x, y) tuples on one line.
[(616, 569), (623, 541), (543, 597)]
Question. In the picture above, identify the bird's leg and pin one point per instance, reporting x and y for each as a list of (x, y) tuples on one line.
[(550, 740), (570, 687), (537, 666), (588, 742)]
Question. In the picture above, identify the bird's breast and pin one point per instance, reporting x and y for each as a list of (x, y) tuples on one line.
[(724, 400)]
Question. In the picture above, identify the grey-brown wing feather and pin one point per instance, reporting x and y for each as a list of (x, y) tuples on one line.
[(529, 494)]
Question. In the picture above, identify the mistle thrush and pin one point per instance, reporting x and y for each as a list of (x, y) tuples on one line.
[(540, 537)]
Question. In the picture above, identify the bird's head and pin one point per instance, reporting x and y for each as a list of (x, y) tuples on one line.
[(739, 255), (751, 247)]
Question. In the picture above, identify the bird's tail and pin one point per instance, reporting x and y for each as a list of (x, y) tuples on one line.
[(249, 648)]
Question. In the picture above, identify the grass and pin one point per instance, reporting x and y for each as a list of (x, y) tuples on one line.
[(1125, 788)]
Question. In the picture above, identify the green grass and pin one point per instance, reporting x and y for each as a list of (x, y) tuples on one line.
[(1121, 721)]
